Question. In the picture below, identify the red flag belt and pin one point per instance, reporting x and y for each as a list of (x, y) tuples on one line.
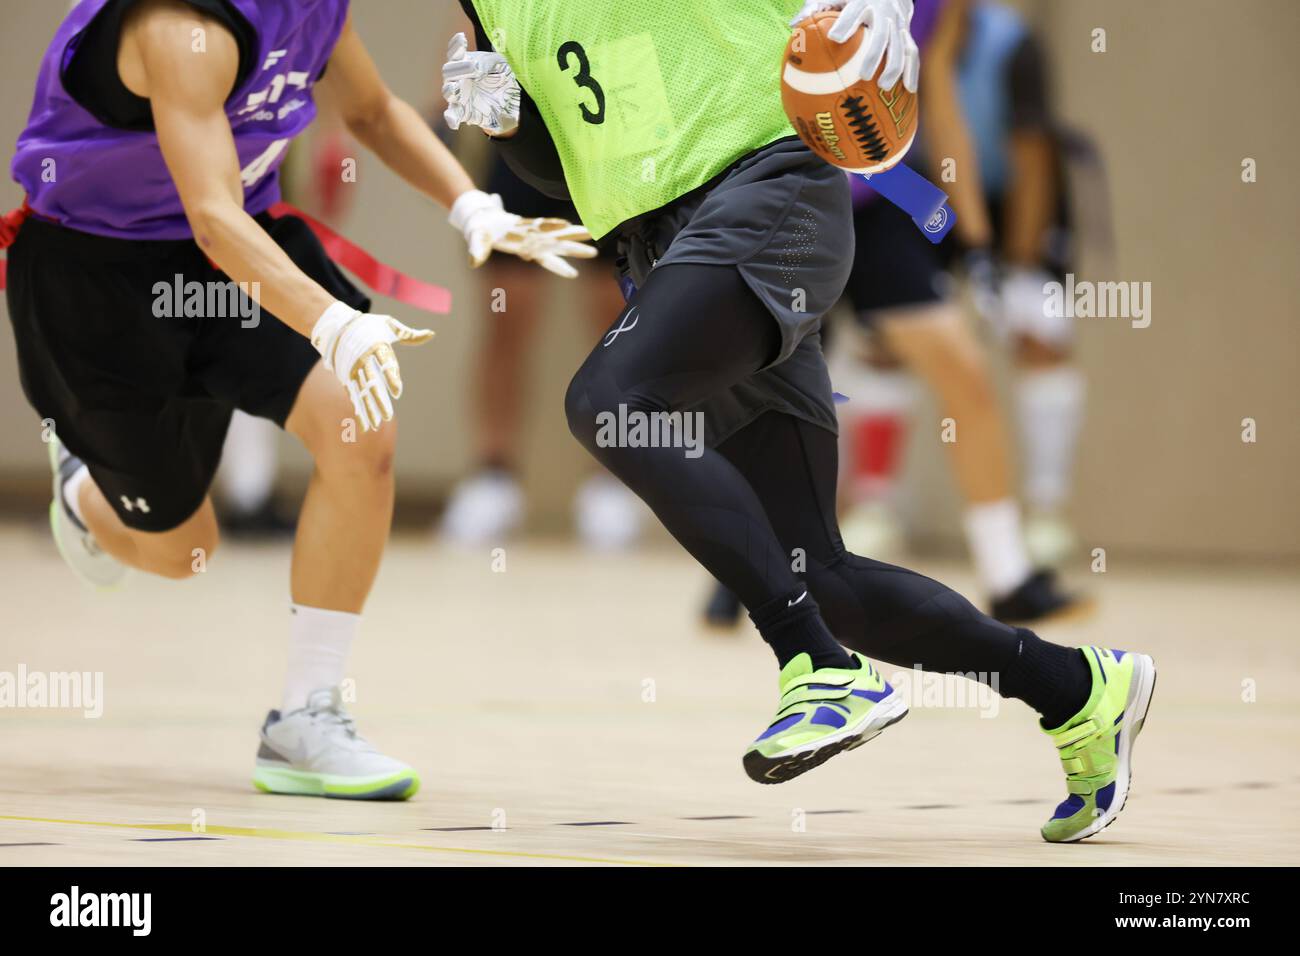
[(378, 276)]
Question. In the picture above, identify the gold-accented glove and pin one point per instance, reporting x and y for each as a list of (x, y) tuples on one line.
[(357, 348), (487, 226)]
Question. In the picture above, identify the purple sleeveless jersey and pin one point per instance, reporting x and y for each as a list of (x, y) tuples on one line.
[(112, 182), (925, 17)]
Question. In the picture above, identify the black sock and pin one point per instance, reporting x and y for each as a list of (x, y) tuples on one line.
[(792, 625), (1054, 680)]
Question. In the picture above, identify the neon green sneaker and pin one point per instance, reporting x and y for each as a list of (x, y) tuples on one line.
[(822, 713), (1096, 745)]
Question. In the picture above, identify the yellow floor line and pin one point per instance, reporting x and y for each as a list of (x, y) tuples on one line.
[(330, 838)]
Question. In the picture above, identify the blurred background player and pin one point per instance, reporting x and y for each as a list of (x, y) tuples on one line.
[(1025, 159), (489, 505), (1022, 155), (905, 300), (244, 487)]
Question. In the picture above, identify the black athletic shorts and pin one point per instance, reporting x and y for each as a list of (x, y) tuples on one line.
[(145, 401), (780, 216), (895, 266)]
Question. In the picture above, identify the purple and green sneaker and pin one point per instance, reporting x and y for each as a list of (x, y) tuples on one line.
[(822, 713), (1096, 745)]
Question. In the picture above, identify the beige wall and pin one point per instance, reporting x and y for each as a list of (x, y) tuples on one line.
[(1181, 96)]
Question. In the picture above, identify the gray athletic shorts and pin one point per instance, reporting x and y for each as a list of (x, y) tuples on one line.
[(784, 219)]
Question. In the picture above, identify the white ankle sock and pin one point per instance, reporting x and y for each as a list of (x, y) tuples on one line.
[(72, 492), (319, 643), (996, 546)]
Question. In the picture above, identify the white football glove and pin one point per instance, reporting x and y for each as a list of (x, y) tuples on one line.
[(1026, 311), (356, 347), (487, 226), (480, 88), (888, 36)]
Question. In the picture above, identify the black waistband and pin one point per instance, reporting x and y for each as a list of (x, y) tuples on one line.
[(640, 225), (52, 237)]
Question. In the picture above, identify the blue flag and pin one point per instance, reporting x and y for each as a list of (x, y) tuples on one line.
[(921, 199)]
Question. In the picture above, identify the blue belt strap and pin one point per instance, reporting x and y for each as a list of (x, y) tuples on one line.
[(907, 189), (921, 199)]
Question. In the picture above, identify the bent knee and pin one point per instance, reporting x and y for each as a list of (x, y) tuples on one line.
[(367, 455), (178, 559), (579, 410), (594, 400)]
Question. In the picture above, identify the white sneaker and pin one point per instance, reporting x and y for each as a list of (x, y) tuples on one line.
[(1049, 539), (317, 752), (872, 530), (607, 515), (77, 546), (484, 509)]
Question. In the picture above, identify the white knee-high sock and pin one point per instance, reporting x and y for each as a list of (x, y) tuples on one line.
[(1049, 405), (997, 546), (249, 460), (319, 643)]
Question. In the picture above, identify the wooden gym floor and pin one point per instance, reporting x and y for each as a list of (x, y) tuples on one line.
[(570, 711)]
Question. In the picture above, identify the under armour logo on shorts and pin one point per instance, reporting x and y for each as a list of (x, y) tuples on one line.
[(623, 327), (130, 505)]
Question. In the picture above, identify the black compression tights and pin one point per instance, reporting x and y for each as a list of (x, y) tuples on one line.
[(742, 510)]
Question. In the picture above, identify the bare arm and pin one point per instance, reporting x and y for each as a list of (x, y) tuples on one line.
[(187, 91), (389, 126), (946, 127), (1030, 200), (400, 137), (1031, 146)]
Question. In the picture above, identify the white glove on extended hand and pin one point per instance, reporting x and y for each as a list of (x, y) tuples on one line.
[(480, 88), (487, 226), (888, 36), (356, 348)]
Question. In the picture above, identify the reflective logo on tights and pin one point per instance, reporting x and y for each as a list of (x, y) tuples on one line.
[(623, 327)]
